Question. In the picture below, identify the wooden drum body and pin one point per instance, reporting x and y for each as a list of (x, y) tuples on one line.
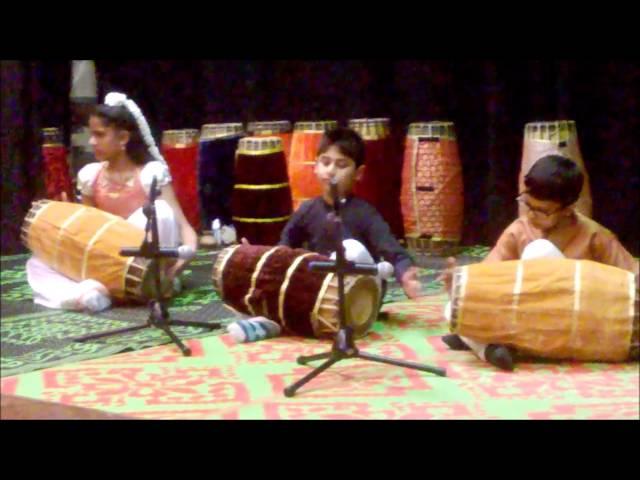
[(276, 282)]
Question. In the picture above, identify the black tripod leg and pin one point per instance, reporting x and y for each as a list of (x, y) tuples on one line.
[(189, 323), (402, 363), (290, 391), (109, 333), (186, 351), (310, 358)]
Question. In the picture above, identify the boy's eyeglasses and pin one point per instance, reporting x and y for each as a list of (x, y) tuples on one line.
[(534, 210)]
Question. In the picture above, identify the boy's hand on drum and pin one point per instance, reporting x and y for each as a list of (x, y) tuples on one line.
[(63, 197), (447, 274), (410, 283), (244, 241)]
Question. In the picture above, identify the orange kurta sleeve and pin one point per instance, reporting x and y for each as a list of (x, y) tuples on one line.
[(607, 249), (506, 247)]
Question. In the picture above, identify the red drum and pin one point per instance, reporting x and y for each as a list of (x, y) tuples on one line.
[(57, 178), (261, 200), (180, 150), (380, 184)]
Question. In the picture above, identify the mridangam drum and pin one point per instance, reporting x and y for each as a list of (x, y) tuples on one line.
[(380, 183), (553, 308), (302, 158), (279, 128), (180, 150), (431, 196), (57, 179), (83, 242), (216, 157), (559, 138), (275, 282), (261, 199)]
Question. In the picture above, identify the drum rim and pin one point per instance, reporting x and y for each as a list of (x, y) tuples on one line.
[(259, 145), (274, 126), (180, 137), (315, 126), (332, 324)]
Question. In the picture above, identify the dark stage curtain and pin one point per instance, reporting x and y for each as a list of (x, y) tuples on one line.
[(489, 100), (33, 97)]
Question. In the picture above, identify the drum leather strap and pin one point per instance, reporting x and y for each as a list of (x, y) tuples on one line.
[(125, 274), (319, 298), (254, 278), (414, 158), (577, 287), (261, 220), (266, 186), (93, 240), (222, 265), (63, 227), (283, 288)]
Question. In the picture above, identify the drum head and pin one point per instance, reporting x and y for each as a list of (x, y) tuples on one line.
[(362, 300)]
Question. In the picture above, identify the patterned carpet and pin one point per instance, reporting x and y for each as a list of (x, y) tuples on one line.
[(34, 337), (222, 380)]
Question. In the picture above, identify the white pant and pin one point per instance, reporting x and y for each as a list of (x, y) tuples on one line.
[(54, 290), (540, 248)]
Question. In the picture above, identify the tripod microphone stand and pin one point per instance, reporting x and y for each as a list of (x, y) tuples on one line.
[(159, 313), (344, 346)]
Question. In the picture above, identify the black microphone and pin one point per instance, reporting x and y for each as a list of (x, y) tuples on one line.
[(335, 196), (183, 251)]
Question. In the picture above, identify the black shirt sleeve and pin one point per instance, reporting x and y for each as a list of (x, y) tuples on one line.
[(384, 244), (295, 233)]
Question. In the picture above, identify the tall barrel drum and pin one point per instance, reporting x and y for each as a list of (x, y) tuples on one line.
[(261, 200), (279, 128), (57, 178), (304, 149), (381, 182), (558, 137), (180, 150), (216, 156), (432, 196)]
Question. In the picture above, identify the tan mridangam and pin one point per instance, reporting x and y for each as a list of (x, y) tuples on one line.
[(83, 242), (551, 308)]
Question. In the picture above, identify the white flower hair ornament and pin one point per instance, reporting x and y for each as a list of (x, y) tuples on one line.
[(115, 99)]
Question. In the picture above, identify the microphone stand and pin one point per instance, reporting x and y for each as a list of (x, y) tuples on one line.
[(344, 346), (158, 311)]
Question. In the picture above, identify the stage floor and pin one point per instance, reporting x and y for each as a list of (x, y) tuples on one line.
[(144, 377)]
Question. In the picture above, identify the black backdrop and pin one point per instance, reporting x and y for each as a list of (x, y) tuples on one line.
[(489, 101)]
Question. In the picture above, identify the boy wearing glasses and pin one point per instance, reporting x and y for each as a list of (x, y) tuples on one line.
[(549, 227)]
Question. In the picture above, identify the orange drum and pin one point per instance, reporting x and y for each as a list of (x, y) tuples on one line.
[(381, 181), (550, 307), (57, 179), (560, 138), (83, 242), (304, 150), (275, 282), (280, 128), (261, 200), (432, 196), (180, 150)]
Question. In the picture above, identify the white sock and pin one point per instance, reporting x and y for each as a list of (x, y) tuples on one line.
[(253, 329)]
